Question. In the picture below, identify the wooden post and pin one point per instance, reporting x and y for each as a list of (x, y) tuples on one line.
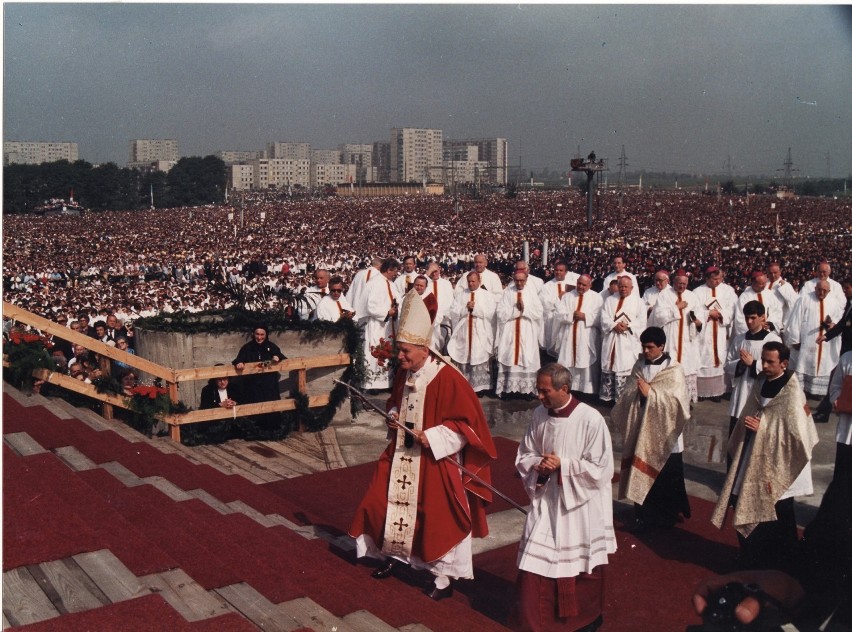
[(299, 378), (174, 430), (106, 369)]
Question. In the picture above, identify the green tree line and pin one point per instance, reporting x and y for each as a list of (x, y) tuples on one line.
[(192, 181)]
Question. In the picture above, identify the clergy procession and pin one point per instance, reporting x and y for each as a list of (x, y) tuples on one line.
[(650, 357)]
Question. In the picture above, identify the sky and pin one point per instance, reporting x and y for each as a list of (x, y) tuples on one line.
[(686, 88)]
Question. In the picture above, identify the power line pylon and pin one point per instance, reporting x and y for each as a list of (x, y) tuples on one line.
[(622, 163)]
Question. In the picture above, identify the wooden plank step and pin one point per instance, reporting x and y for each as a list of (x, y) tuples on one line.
[(114, 579), (210, 456), (272, 458), (75, 459), (23, 444), (185, 595), (68, 586), (22, 398), (246, 463), (309, 532), (414, 627), (257, 608), (366, 621), (304, 451), (313, 616), (23, 600), (54, 405), (331, 449), (93, 419)]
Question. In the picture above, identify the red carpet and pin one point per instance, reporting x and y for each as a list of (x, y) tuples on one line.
[(331, 498), (52, 512)]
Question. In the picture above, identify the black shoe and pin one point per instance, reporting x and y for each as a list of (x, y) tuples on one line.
[(383, 572), (436, 594)]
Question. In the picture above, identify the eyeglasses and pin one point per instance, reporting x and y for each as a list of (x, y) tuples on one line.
[(335, 290)]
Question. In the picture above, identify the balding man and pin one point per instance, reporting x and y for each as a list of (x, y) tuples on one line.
[(442, 290), (760, 292), (519, 315), (471, 345), (623, 320), (579, 317), (661, 284), (550, 295), (823, 273), (717, 303), (675, 313), (813, 312), (488, 280), (533, 281)]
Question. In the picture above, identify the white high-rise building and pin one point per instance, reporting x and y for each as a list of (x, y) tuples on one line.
[(289, 151), (230, 157), (143, 152), (360, 155), (462, 164), (280, 173), (416, 154), (325, 156), (325, 173), (35, 153), (241, 177), (494, 151)]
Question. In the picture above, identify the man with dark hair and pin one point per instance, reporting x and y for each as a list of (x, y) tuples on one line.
[(405, 281), (334, 305), (743, 360), (770, 450), (651, 415), (566, 465)]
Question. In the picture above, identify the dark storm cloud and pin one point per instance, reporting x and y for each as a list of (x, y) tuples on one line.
[(680, 87)]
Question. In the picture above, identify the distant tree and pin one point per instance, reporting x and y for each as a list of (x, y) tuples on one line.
[(729, 188), (195, 180), (511, 191)]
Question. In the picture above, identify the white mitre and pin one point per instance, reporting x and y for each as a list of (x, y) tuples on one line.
[(415, 326)]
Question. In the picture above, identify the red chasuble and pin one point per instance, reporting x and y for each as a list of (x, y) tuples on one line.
[(450, 505)]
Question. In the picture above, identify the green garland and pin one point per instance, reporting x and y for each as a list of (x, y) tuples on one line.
[(250, 428)]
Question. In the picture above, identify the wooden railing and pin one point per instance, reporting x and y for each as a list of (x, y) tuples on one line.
[(296, 367)]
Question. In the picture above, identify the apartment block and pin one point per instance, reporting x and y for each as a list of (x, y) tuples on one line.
[(288, 151), (35, 153), (240, 157), (493, 151), (280, 172), (323, 173), (325, 156), (416, 154), (381, 161), (143, 152), (241, 177), (360, 155)]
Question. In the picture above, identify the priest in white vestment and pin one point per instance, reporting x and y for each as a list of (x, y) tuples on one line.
[(579, 318), (488, 279), (661, 284), (550, 295), (676, 314), (623, 319), (759, 291), (784, 291), (356, 292), (442, 290), (334, 305), (817, 357), (381, 303), (519, 315), (621, 271), (566, 464), (471, 345), (823, 273), (405, 281), (717, 302)]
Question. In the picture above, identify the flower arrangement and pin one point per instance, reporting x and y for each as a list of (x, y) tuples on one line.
[(151, 404), (384, 353), (25, 352)]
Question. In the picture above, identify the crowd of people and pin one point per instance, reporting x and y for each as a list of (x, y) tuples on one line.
[(148, 262)]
